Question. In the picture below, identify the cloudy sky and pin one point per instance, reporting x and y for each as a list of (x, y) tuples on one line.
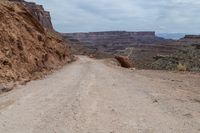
[(163, 16)]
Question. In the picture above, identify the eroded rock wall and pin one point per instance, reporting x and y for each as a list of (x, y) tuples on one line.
[(38, 12), (27, 49), (190, 39), (113, 40)]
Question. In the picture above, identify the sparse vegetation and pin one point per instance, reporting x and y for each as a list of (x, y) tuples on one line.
[(185, 59), (181, 67)]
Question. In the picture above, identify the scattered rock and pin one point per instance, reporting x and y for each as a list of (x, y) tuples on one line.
[(6, 88), (155, 101), (188, 115), (133, 69), (196, 100)]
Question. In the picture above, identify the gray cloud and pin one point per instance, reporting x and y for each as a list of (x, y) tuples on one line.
[(132, 15)]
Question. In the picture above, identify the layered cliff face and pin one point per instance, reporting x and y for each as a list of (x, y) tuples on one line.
[(37, 11), (27, 49), (113, 40), (191, 39), (141, 47)]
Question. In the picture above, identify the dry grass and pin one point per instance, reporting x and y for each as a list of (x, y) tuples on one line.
[(181, 67)]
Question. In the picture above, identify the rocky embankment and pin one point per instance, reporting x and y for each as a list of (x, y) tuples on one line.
[(143, 55), (186, 58), (38, 12), (29, 48)]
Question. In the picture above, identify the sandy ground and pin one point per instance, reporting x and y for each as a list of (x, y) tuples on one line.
[(92, 96)]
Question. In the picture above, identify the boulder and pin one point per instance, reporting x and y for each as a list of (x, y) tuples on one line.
[(124, 61)]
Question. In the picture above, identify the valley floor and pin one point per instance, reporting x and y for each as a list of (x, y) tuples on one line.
[(94, 96)]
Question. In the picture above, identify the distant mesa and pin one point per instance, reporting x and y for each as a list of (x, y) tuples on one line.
[(174, 36), (111, 39), (192, 37)]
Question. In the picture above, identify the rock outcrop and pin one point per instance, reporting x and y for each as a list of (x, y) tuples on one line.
[(192, 37), (27, 49), (37, 11), (124, 61)]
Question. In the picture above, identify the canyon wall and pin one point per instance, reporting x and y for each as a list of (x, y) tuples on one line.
[(190, 39), (141, 47), (38, 12), (113, 40)]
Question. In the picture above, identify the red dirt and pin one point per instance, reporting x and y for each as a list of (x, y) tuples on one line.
[(27, 49)]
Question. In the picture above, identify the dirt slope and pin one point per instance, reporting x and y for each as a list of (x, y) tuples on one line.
[(27, 49), (92, 96)]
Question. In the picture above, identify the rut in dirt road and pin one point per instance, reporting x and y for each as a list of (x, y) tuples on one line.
[(92, 96)]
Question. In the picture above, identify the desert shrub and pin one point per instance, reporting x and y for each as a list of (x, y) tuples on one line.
[(181, 67)]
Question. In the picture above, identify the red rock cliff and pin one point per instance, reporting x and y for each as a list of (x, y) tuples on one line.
[(38, 12), (27, 49)]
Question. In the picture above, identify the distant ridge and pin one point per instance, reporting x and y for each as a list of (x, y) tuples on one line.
[(174, 36)]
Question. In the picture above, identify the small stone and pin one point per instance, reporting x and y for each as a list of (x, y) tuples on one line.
[(155, 101), (5, 88)]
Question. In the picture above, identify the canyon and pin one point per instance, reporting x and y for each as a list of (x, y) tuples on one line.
[(55, 89), (111, 40), (143, 48)]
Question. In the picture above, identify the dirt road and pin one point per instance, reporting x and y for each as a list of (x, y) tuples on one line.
[(92, 96)]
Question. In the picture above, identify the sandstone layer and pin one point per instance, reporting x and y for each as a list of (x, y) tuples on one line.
[(113, 40)]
